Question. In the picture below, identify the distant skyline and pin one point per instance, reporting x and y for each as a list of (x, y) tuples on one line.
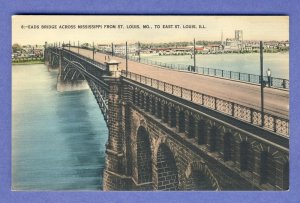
[(264, 28)]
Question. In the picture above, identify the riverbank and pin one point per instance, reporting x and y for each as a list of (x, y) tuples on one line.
[(30, 62)]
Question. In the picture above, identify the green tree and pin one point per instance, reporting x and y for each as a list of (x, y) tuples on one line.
[(16, 47)]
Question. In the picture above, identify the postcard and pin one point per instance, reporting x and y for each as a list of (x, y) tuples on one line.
[(150, 103)]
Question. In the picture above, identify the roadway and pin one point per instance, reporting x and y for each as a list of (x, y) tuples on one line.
[(276, 101)]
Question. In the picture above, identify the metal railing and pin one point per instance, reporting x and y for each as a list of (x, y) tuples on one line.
[(250, 115), (231, 75)]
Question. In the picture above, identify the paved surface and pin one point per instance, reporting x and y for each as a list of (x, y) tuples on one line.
[(276, 101)]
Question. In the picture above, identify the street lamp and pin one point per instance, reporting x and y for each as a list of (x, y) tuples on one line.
[(262, 83), (269, 77)]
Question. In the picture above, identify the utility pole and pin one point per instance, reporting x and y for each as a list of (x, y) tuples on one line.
[(112, 49), (139, 46), (262, 83), (78, 47), (93, 51), (69, 45), (126, 59), (194, 69)]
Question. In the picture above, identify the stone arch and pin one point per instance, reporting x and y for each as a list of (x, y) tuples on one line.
[(200, 177), (166, 169), (228, 147), (144, 158), (201, 133), (181, 121)]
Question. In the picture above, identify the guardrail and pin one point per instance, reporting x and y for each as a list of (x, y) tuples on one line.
[(232, 75), (250, 115)]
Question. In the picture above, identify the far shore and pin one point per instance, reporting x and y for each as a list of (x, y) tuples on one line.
[(28, 62)]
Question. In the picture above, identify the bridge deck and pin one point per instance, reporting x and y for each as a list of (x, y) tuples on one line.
[(276, 101)]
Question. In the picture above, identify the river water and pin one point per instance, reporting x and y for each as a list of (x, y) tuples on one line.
[(58, 139), (244, 63)]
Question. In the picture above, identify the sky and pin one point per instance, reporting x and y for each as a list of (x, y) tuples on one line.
[(254, 28)]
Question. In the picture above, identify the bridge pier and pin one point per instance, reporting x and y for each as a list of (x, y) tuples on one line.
[(65, 85), (115, 177), (65, 81)]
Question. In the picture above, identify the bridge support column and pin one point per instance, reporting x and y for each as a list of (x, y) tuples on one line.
[(170, 117), (177, 121), (65, 81), (115, 175), (186, 124), (256, 167)]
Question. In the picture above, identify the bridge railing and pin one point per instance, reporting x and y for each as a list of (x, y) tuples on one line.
[(250, 115), (232, 75)]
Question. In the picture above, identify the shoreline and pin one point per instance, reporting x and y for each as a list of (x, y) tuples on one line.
[(28, 62)]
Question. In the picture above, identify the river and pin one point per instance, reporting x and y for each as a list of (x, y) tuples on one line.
[(244, 63), (58, 139)]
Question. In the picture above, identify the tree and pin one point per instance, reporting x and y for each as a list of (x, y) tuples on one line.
[(16, 47)]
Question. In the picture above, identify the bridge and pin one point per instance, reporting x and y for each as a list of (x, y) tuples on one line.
[(174, 129)]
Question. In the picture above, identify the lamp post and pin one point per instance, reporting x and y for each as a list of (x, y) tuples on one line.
[(262, 83), (194, 69), (93, 51), (269, 77), (126, 51), (139, 46)]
